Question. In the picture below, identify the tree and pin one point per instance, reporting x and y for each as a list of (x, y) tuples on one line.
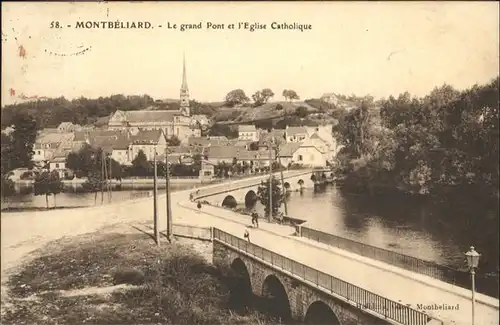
[(85, 160), (23, 138), (236, 97), (301, 111), (6, 155), (277, 195), (94, 183), (290, 95), (141, 165), (223, 130), (55, 184), (262, 96), (7, 186), (48, 183), (174, 141), (254, 146)]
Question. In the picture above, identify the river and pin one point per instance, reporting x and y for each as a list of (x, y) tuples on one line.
[(439, 233)]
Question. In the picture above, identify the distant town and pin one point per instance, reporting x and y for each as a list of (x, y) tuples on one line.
[(129, 136)]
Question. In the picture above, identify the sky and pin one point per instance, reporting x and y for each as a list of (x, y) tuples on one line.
[(377, 48)]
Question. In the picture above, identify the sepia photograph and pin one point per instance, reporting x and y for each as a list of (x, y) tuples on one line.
[(252, 163)]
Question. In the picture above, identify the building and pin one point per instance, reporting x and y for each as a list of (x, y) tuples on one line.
[(116, 146), (46, 144), (173, 122), (305, 154), (207, 171), (330, 98), (58, 163), (66, 127), (296, 133), (149, 142), (247, 132)]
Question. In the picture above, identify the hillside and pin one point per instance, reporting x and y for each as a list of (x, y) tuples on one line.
[(84, 111)]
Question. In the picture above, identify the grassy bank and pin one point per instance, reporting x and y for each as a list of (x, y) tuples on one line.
[(119, 279)]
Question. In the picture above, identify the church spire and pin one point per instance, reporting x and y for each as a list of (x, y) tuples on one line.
[(184, 79), (184, 90)]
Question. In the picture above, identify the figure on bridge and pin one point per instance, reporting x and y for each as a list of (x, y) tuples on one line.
[(247, 235), (199, 205), (255, 219)]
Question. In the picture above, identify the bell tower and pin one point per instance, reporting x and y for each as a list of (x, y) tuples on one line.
[(184, 91)]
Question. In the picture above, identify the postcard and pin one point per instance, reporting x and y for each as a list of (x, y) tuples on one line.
[(250, 163)]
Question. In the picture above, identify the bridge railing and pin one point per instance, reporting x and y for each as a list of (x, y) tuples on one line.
[(484, 285), (363, 299)]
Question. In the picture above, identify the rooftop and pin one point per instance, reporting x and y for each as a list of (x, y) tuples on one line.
[(148, 115), (246, 128), (146, 137), (294, 130), (288, 149)]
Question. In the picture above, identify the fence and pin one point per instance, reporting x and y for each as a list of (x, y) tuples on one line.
[(362, 298), (484, 285)]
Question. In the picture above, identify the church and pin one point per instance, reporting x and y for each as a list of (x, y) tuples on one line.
[(173, 122)]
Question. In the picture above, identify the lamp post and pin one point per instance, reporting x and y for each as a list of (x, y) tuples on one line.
[(472, 262)]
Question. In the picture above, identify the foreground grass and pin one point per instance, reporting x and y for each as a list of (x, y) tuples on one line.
[(119, 279)]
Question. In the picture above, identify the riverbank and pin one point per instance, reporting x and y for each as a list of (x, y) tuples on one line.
[(121, 277)]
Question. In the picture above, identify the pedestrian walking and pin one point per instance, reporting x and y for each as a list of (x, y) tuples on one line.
[(255, 219), (247, 235)]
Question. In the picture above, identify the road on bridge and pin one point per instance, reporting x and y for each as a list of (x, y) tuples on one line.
[(382, 282)]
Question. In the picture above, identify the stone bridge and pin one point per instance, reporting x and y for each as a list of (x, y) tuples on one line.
[(245, 191), (297, 292)]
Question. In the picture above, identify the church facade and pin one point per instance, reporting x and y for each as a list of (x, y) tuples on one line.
[(173, 122)]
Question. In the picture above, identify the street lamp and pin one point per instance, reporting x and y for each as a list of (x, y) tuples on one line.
[(472, 262)]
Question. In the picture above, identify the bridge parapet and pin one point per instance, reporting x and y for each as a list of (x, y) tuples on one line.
[(364, 300), (246, 183)]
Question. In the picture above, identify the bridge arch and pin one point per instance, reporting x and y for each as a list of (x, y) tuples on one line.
[(319, 313), (250, 199), (241, 288), (230, 202), (276, 297)]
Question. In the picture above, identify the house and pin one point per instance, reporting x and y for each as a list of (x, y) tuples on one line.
[(58, 163), (207, 171), (149, 142), (296, 133), (66, 127), (247, 132), (330, 98), (219, 154), (46, 144), (276, 135), (116, 146), (305, 154)]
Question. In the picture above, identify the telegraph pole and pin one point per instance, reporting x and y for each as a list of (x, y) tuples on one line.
[(282, 178), (155, 202), (270, 217), (102, 177), (167, 190)]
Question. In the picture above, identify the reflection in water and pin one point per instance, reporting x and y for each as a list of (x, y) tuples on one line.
[(434, 232)]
